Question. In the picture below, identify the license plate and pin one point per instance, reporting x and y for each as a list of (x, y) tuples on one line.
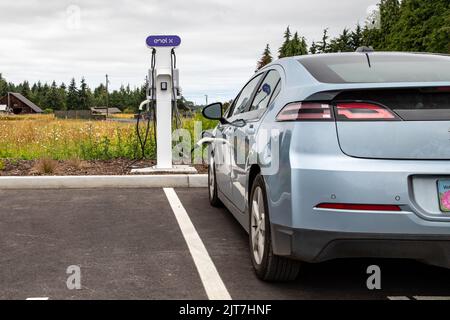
[(444, 195)]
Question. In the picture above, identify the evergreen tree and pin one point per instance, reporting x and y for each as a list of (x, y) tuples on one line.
[(72, 100), (303, 49), (62, 96), (53, 99), (265, 59), (99, 99), (3, 86), (343, 43), (84, 95), (314, 48), (422, 26), (389, 15), (297, 46), (356, 38), (25, 90), (283, 51), (323, 45)]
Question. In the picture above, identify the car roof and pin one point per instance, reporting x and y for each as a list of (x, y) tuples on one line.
[(295, 65), (289, 60)]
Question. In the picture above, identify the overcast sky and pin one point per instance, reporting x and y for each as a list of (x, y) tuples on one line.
[(221, 39)]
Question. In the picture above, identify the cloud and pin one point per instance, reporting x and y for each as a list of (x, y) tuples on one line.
[(222, 40)]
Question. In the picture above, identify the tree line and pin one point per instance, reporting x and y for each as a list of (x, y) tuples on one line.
[(55, 97), (73, 97), (407, 25)]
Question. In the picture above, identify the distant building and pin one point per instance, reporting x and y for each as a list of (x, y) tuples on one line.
[(18, 104), (105, 111)]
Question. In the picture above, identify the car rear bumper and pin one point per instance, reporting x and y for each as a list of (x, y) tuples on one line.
[(318, 246)]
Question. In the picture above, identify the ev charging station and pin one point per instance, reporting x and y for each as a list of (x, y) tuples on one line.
[(162, 94)]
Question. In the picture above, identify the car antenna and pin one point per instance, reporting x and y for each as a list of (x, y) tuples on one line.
[(366, 51)]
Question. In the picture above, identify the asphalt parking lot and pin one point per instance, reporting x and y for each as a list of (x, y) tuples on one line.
[(129, 244)]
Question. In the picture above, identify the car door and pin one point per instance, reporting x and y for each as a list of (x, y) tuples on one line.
[(225, 150), (222, 159), (245, 137)]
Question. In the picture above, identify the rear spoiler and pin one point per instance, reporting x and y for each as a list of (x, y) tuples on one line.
[(331, 95)]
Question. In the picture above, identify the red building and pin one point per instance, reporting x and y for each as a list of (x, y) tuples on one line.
[(18, 104)]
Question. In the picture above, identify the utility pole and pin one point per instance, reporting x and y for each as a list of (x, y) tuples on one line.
[(206, 96), (107, 97)]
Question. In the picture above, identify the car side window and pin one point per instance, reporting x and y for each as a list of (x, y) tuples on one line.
[(242, 101), (265, 91)]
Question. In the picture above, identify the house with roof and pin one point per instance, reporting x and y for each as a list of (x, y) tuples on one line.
[(16, 103)]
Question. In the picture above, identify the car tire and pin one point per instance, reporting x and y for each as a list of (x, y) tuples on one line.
[(267, 265), (212, 185)]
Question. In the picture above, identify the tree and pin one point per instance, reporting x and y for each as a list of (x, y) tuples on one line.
[(389, 15), (323, 45), (314, 48), (422, 26), (3, 86), (265, 59), (25, 90), (297, 46), (282, 52), (53, 98), (343, 43), (84, 95), (62, 94), (356, 38), (72, 100), (99, 98)]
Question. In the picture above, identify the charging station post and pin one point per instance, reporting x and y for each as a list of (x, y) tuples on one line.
[(164, 90), (164, 96)]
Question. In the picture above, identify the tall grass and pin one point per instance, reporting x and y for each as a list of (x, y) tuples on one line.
[(44, 137)]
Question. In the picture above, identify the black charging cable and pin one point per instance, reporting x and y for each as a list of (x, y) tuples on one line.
[(143, 140), (175, 112)]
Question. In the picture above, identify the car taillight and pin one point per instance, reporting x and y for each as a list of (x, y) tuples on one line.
[(304, 111), (363, 111), (443, 89), (359, 207)]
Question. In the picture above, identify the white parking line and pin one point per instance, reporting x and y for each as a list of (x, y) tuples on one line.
[(425, 298), (211, 280), (401, 298), (37, 299)]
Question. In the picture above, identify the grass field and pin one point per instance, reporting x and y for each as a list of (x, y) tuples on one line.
[(31, 137)]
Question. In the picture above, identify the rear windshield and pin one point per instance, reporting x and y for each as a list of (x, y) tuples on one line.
[(377, 68)]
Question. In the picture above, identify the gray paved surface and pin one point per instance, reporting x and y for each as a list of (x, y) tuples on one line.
[(129, 246)]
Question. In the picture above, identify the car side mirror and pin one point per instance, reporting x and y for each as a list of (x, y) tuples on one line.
[(213, 111)]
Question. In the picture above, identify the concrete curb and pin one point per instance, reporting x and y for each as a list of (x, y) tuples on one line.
[(82, 182)]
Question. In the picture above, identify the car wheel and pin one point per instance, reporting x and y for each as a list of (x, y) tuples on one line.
[(268, 267), (212, 185)]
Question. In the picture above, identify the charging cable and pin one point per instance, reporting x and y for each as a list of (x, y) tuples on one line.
[(150, 103)]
